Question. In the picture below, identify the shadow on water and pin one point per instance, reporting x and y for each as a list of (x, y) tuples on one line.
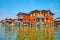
[(29, 33)]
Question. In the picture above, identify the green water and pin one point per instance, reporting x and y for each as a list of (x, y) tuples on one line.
[(29, 33)]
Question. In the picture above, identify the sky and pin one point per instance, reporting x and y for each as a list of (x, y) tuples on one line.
[(10, 8)]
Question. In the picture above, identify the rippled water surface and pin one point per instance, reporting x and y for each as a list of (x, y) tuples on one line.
[(29, 33)]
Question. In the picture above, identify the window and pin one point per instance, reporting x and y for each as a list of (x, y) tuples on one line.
[(38, 14), (34, 19), (34, 14), (45, 20), (46, 14), (31, 15), (48, 20)]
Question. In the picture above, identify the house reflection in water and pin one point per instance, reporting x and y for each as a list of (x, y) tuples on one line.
[(42, 33)]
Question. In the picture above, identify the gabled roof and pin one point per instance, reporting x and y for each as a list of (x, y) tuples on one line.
[(48, 11), (44, 11), (51, 12), (58, 18), (34, 11), (41, 11), (22, 13)]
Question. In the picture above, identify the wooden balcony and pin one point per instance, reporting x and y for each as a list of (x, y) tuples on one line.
[(40, 17)]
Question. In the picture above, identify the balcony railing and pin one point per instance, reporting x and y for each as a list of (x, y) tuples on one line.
[(39, 16)]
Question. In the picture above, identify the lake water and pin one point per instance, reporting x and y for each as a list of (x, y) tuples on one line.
[(29, 33)]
